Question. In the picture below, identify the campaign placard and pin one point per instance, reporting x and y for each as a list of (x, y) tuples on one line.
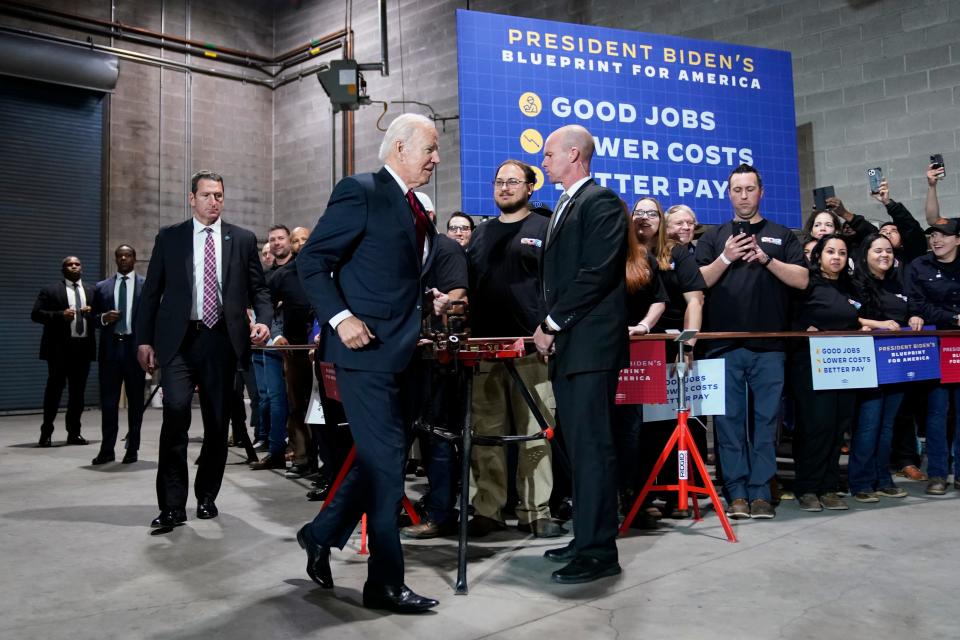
[(328, 372), (644, 381), (705, 392), (843, 363), (906, 359), (671, 117), (949, 360)]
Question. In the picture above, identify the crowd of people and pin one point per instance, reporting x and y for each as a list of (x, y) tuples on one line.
[(580, 281)]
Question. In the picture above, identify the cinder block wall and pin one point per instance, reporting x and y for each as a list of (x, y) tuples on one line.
[(876, 85)]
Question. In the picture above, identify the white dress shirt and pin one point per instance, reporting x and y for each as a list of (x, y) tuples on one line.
[(72, 303), (199, 240)]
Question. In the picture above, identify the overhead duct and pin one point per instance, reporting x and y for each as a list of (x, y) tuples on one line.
[(56, 63)]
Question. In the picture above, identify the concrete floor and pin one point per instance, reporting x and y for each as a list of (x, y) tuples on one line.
[(77, 561)]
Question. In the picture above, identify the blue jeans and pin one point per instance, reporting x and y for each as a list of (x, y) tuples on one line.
[(869, 466), (262, 431), (938, 401), (749, 460), (276, 394)]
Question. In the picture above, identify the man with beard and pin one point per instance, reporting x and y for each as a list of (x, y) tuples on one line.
[(68, 346), (505, 287), (750, 265)]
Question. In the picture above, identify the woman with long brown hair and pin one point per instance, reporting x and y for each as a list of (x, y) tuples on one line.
[(646, 300)]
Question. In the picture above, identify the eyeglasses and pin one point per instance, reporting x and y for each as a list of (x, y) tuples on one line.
[(513, 183), (459, 228), (646, 213)]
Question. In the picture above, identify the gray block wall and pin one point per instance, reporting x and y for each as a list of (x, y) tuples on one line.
[(877, 83)]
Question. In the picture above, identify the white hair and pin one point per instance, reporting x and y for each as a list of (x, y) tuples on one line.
[(403, 128), (425, 201)]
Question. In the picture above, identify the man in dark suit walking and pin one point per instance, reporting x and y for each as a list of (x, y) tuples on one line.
[(192, 323), (68, 346), (114, 313), (585, 337), (373, 238)]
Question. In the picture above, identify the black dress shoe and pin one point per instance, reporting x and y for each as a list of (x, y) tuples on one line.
[(395, 599), (129, 457), (542, 528), (207, 509), (103, 458), (170, 518), (318, 558), (561, 554), (585, 569), (76, 439), (481, 526), (269, 462), (45, 440)]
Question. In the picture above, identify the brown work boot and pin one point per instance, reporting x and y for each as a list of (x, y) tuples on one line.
[(428, 529), (738, 509)]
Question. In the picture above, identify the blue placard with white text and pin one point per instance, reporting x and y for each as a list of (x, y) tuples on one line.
[(905, 359), (671, 116)]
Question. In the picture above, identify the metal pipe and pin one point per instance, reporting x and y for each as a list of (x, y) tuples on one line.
[(113, 29), (45, 15), (384, 48), (145, 58)]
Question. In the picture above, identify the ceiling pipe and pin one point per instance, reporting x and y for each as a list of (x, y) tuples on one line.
[(119, 30), (143, 58)]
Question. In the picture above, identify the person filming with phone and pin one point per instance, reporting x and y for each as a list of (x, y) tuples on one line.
[(750, 264)]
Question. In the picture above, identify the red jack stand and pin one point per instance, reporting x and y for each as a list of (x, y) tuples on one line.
[(347, 463), (682, 439)]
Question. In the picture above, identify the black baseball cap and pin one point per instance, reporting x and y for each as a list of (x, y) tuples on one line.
[(946, 226)]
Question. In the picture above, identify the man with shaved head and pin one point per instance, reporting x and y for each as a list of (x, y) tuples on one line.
[(584, 335), (298, 237), (67, 345)]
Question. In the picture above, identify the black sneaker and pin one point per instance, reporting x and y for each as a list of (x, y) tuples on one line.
[(297, 470)]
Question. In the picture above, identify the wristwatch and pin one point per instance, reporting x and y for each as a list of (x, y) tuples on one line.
[(547, 329)]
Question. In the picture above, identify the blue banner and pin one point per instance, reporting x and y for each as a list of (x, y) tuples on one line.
[(905, 359), (671, 116)]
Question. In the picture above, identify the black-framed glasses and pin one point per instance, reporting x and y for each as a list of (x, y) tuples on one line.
[(513, 183), (646, 213)]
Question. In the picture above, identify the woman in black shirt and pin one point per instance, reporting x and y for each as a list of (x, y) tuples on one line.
[(878, 285), (822, 417), (645, 304)]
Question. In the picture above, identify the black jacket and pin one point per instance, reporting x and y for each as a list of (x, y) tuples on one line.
[(933, 291), (584, 267), (48, 311)]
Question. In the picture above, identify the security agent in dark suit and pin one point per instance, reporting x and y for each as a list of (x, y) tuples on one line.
[(68, 346), (114, 314), (362, 270), (584, 335), (192, 323)]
